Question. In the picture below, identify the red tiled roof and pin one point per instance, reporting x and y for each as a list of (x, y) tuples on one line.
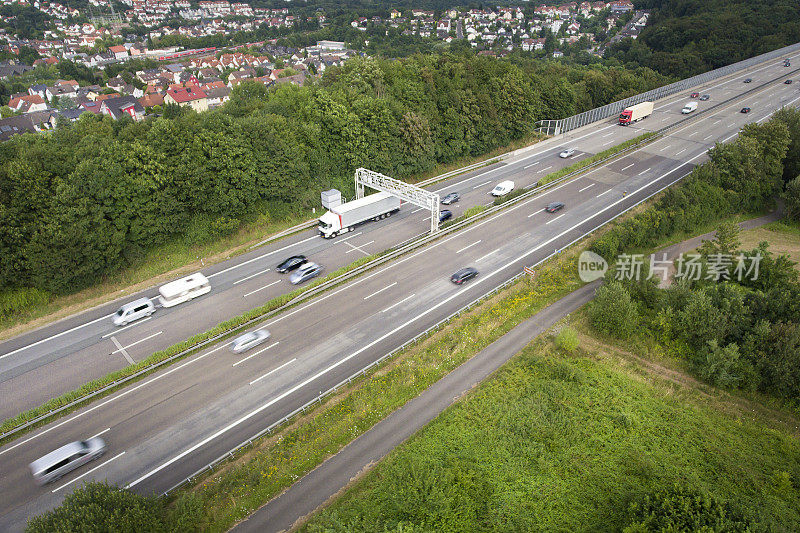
[(188, 94)]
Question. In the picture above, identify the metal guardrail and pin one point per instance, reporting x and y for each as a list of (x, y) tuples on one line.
[(554, 127), (400, 249), (427, 333)]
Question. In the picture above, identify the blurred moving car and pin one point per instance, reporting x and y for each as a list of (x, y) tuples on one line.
[(242, 343), (305, 272), (445, 214), (465, 274), (503, 188), (705, 97), (745, 110), (694, 95), (788, 82), (451, 198), (568, 152), (291, 263), (552, 207), (748, 80)]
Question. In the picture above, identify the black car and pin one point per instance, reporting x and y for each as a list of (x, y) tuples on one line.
[(552, 207), (465, 274), (444, 214), (748, 80), (745, 110), (788, 82), (291, 263), (451, 198), (705, 97), (787, 64)]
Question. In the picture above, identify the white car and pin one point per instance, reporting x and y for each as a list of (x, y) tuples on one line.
[(503, 188), (568, 152), (244, 342)]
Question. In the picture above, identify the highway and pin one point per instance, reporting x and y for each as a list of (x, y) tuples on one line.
[(60, 357), (166, 427)]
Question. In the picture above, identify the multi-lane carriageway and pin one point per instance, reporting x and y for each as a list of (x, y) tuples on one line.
[(164, 428)]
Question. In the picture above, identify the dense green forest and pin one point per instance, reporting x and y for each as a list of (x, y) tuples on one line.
[(686, 37), (93, 196), (734, 330)]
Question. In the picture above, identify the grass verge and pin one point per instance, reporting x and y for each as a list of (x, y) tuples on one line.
[(596, 157), (564, 442), (259, 473), (229, 326)]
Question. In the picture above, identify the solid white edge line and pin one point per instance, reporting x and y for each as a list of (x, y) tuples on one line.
[(125, 327), (137, 342), (256, 353), (87, 473), (105, 317), (103, 404), (398, 303), (265, 375), (340, 362), (380, 290)]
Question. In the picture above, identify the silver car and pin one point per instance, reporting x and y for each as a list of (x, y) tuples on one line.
[(568, 152), (305, 272), (242, 343)]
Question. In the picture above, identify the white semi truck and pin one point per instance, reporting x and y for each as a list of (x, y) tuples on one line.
[(346, 216), (635, 113)]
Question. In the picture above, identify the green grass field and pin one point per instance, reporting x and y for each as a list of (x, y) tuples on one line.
[(558, 442)]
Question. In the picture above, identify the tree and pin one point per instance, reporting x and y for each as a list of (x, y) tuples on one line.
[(613, 311), (791, 197), (725, 241), (99, 507)]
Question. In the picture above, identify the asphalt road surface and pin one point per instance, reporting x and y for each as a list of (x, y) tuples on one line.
[(168, 426)]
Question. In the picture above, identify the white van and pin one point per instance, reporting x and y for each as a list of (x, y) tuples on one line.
[(503, 188), (183, 290), (133, 311), (66, 459), (688, 108)]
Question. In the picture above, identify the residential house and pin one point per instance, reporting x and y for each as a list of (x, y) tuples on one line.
[(28, 103), (13, 69), (120, 106), (217, 96), (120, 52), (621, 6), (91, 107), (15, 125), (192, 97), (44, 120), (72, 114), (151, 100)]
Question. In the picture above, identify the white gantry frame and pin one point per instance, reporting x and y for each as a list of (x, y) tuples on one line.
[(405, 191)]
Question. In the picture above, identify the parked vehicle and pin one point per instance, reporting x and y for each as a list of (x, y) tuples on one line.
[(705, 97), (689, 107), (745, 110), (635, 113), (694, 95), (133, 311), (345, 217), (242, 343), (305, 272), (291, 263), (445, 214), (503, 188), (552, 207), (567, 152), (66, 459), (183, 290), (748, 80), (451, 198), (465, 274)]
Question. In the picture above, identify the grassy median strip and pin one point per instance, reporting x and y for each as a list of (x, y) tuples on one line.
[(596, 157), (257, 474), (157, 357)]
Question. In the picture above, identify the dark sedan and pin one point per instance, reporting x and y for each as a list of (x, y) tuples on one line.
[(705, 97), (445, 214), (291, 263), (748, 80), (451, 198), (788, 82), (745, 110), (465, 274), (552, 207)]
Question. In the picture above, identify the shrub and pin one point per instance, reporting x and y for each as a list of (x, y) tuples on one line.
[(14, 302), (567, 339), (612, 311)]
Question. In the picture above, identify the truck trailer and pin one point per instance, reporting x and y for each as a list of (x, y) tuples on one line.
[(346, 216), (635, 113)]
